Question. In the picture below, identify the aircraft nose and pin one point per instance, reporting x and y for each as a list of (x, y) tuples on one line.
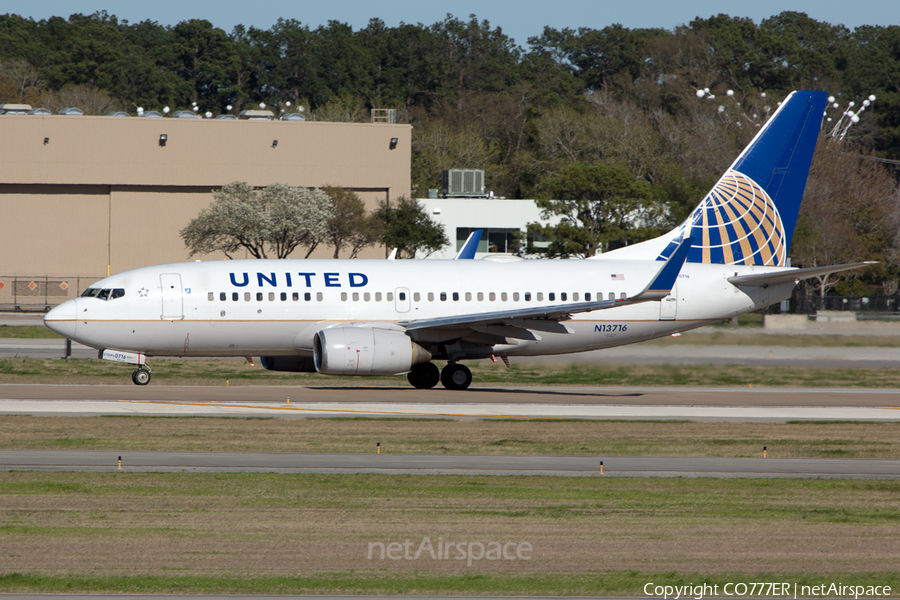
[(62, 318)]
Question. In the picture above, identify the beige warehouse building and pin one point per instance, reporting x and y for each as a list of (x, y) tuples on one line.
[(80, 196)]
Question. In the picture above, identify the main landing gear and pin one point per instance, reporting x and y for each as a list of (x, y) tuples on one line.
[(141, 376), (453, 377), (424, 376)]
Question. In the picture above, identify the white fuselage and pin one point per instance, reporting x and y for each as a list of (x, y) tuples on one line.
[(275, 307)]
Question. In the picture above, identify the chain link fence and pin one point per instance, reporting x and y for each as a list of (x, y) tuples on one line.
[(22, 293)]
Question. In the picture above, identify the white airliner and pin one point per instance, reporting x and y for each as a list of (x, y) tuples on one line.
[(390, 317)]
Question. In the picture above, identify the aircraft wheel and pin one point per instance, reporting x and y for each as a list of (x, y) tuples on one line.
[(424, 376), (141, 377), (456, 376)]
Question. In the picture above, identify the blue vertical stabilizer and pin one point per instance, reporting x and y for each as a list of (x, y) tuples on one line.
[(749, 216)]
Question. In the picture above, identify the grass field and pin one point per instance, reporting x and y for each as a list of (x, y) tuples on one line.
[(419, 436), (263, 533), (235, 372)]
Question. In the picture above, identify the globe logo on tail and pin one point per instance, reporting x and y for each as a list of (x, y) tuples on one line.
[(737, 224)]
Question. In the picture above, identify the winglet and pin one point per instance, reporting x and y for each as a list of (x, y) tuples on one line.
[(393, 255), (467, 252), (665, 278)]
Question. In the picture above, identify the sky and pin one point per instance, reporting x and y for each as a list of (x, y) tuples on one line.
[(518, 18)]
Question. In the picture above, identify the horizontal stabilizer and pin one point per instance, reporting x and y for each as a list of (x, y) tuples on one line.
[(766, 279)]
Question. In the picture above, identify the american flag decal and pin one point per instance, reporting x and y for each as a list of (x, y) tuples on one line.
[(618, 277)]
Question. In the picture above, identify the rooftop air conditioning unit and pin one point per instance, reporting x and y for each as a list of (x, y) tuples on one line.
[(463, 183)]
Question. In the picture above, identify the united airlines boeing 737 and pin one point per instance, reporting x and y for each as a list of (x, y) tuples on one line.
[(390, 317)]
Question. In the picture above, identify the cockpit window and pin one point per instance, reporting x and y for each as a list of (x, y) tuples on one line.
[(90, 293), (117, 293), (103, 295)]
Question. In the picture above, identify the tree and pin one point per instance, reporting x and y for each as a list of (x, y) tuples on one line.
[(350, 226), (408, 228), (849, 212), (278, 217), (598, 205)]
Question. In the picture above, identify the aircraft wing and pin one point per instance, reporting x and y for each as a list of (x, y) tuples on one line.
[(658, 287), (787, 276)]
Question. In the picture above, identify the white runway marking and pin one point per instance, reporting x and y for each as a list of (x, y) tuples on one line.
[(517, 411)]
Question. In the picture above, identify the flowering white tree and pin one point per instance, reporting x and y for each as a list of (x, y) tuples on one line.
[(278, 219)]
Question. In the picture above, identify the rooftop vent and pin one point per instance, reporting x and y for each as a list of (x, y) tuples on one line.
[(14, 109), (185, 114), (292, 117), (257, 115), (153, 114), (119, 113), (39, 111), (463, 183), (227, 117), (72, 110)]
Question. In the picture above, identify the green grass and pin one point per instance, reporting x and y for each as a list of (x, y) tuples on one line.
[(216, 372), (596, 583), (254, 533), (28, 332)]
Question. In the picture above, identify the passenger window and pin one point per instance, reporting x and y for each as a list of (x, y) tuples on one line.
[(296, 296), (401, 295), (284, 296), (223, 296), (527, 296), (343, 296), (540, 296), (247, 296), (390, 296), (307, 296), (575, 296), (211, 296), (443, 296), (623, 295), (456, 296), (481, 296), (368, 297), (377, 296), (319, 297), (492, 296), (271, 296), (468, 296), (612, 296), (587, 297), (234, 296), (551, 296), (515, 296), (562, 296), (416, 296), (431, 296), (103, 295), (356, 296), (503, 296)]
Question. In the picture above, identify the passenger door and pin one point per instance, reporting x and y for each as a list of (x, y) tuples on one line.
[(172, 296)]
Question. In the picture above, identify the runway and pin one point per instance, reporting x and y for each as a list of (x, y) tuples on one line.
[(698, 404), (446, 464)]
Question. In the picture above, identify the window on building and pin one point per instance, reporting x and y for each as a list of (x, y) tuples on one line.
[(492, 239)]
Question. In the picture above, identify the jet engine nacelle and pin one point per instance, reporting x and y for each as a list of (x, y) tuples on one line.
[(293, 364), (366, 351)]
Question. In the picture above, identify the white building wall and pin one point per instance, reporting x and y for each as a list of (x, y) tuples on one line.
[(486, 213)]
